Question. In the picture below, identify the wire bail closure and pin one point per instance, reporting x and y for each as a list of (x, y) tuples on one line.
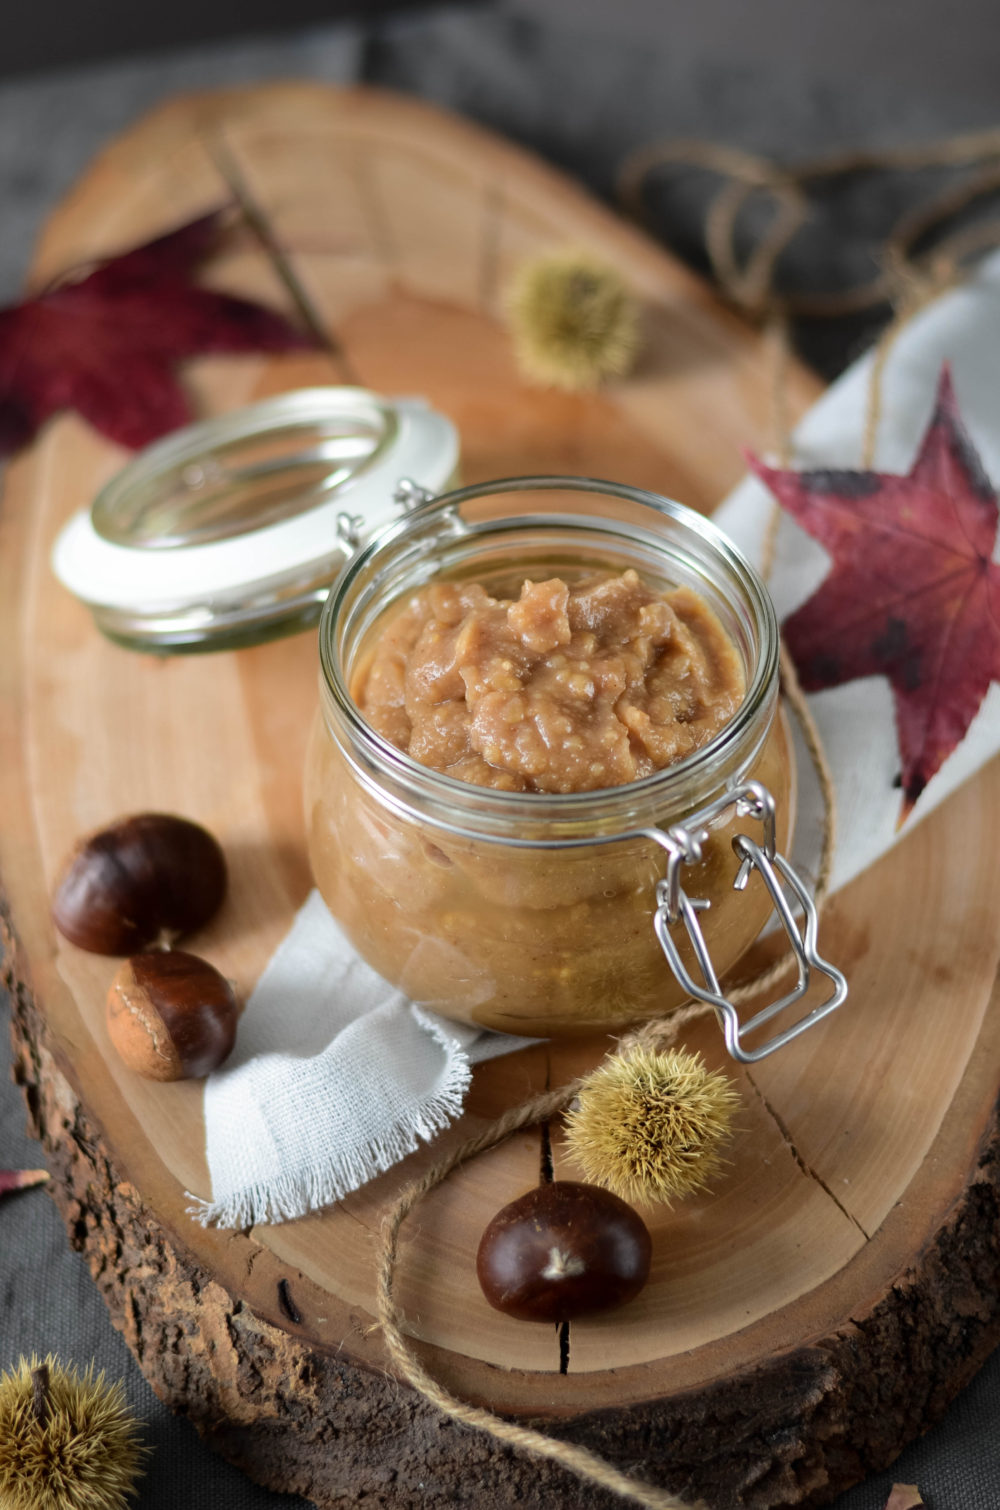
[(683, 845)]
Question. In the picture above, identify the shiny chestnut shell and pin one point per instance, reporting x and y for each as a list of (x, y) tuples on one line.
[(563, 1250), (145, 878), (171, 1015)]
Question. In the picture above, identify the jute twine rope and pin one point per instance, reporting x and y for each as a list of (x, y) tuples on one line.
[(906, 281)]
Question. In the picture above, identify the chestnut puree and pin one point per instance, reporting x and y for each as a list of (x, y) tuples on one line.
[(566, 689), (569, 687)]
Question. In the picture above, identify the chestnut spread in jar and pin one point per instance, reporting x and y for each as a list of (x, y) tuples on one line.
[(592, 677), (564, 689)]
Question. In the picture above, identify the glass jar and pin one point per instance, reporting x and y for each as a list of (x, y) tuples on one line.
[(540, 914), (229, 531)]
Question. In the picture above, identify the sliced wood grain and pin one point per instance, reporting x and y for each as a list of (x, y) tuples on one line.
[(860, 1208)]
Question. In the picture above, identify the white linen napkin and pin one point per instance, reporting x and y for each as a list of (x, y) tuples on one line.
[(371, 1075), (856, 721)]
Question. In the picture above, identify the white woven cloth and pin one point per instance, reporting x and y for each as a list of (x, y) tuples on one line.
[(370, 1076), (856, 721)]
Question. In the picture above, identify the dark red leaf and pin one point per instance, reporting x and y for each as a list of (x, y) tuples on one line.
[(913, 593), (108, 344), (21, 1179)]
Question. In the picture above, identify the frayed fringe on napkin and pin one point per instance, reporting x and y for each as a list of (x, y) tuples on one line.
[(367, 1079), (299, 1190)]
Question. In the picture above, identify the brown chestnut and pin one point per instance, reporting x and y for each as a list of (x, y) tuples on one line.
[(561, 1251), (171, 1015), (145, 879)]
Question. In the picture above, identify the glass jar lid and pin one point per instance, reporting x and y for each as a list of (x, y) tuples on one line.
[(231, 530)]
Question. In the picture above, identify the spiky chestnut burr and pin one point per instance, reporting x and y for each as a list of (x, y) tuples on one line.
[(67, 1440), (651, 1126), (574, 322)]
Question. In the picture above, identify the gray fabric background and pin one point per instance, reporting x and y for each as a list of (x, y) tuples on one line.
[(582, 97)]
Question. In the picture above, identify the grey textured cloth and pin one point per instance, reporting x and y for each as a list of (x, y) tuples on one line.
[(583, 100)]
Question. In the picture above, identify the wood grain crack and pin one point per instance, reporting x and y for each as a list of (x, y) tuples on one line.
[(256, 217), (805, 1167)]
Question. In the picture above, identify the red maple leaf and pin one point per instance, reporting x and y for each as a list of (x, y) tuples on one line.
[(107, 345), (913, 593)]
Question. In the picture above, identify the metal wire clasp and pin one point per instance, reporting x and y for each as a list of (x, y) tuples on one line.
[(684, 846), (409, 495)]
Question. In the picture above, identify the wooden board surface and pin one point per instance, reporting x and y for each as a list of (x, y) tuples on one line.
[(775, 1304)]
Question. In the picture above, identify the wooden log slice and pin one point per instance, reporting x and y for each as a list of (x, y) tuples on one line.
[(826, 1302)]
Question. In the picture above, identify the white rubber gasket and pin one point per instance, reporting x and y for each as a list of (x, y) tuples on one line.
[(100, 572)]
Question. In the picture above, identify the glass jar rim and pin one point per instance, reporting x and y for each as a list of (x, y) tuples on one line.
[(566, 811)]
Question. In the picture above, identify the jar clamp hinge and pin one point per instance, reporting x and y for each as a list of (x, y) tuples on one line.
[(408, 496), (683, 845)]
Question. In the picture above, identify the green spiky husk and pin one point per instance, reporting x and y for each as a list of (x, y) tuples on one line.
[(85, 1455), (650, 1126), (573, 321)]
